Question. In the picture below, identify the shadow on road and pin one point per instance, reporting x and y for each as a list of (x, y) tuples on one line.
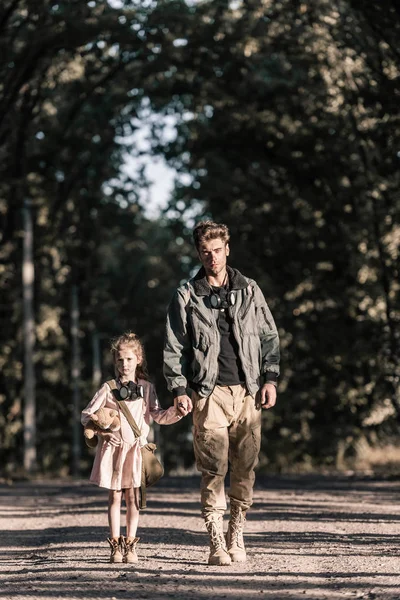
[(317, 537)]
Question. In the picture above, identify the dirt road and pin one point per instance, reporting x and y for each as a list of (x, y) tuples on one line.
[(307, 537)]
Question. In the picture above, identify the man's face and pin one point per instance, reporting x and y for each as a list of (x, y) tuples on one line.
[(213, 256)]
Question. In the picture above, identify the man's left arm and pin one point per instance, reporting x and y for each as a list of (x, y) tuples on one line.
[(270, 352)]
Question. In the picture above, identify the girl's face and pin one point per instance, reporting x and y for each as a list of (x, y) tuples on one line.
[(126, 361)]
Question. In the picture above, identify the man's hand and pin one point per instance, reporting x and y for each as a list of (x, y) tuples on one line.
[(183, 405), (268, 395)]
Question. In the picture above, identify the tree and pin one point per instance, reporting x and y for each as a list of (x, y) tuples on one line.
[(66, 100), (287, 125)]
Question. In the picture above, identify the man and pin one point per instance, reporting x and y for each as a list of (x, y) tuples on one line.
[(222, 346)]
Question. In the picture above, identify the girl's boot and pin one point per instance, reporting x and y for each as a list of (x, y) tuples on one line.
[(129, 546), (116, 554)]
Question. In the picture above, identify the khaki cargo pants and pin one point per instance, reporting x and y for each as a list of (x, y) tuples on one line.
[(227, 432)]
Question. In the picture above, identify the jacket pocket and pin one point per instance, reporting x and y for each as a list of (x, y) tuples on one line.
[(249, 321), (265, 320), (198, 315), (200, 327), (246, 310)]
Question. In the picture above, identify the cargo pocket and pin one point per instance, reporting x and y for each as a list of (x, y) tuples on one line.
[(211, 450)]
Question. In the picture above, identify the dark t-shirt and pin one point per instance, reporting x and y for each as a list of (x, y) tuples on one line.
[(230, 370)]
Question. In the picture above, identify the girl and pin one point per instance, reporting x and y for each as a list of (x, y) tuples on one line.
[(118, 461)]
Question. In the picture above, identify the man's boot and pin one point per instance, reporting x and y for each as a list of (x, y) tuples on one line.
[(218, 551), (129, 547), (234, 536), (116, 554)]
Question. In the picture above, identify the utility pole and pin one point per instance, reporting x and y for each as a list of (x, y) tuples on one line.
[(28, 279)]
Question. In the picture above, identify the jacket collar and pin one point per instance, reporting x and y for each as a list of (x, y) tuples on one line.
[(202, 288)]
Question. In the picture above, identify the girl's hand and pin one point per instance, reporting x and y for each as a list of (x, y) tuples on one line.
[(109, 437)]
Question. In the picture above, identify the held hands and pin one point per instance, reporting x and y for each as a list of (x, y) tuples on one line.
[(268, 395), (183, 405)]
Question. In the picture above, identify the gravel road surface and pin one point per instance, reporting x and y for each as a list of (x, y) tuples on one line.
[(307, 537)]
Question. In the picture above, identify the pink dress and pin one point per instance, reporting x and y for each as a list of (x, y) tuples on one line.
[(120, 467)]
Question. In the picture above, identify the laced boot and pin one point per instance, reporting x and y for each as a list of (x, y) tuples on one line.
[(116, 554), (218, 551), (129, 547), (234, 536)]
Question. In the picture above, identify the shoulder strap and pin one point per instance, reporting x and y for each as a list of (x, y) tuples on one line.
[(122, 404), (129, 418), (112, 384)]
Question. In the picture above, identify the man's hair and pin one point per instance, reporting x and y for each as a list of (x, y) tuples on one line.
[(208, 230)]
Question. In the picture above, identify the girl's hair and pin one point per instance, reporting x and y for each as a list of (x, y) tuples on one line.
[(132, 341), (208, 230)]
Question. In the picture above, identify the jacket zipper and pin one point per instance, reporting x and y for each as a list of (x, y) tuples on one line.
[(247, 310)]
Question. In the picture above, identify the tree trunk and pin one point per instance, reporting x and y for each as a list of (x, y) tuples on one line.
[(75, 382), (96, 373), (28, 277)]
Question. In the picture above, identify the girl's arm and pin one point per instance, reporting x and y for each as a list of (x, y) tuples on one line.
[(98, 401), (160, 415)]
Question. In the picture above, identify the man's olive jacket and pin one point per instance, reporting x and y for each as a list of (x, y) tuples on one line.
[(192, 338)]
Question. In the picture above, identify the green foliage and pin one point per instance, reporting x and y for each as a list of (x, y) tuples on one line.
[(288, 126), (65, 101)]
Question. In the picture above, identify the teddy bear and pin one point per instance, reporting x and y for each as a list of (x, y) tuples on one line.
[(103, 418)]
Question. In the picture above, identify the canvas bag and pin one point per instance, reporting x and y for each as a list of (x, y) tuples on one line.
[(152, 469)]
